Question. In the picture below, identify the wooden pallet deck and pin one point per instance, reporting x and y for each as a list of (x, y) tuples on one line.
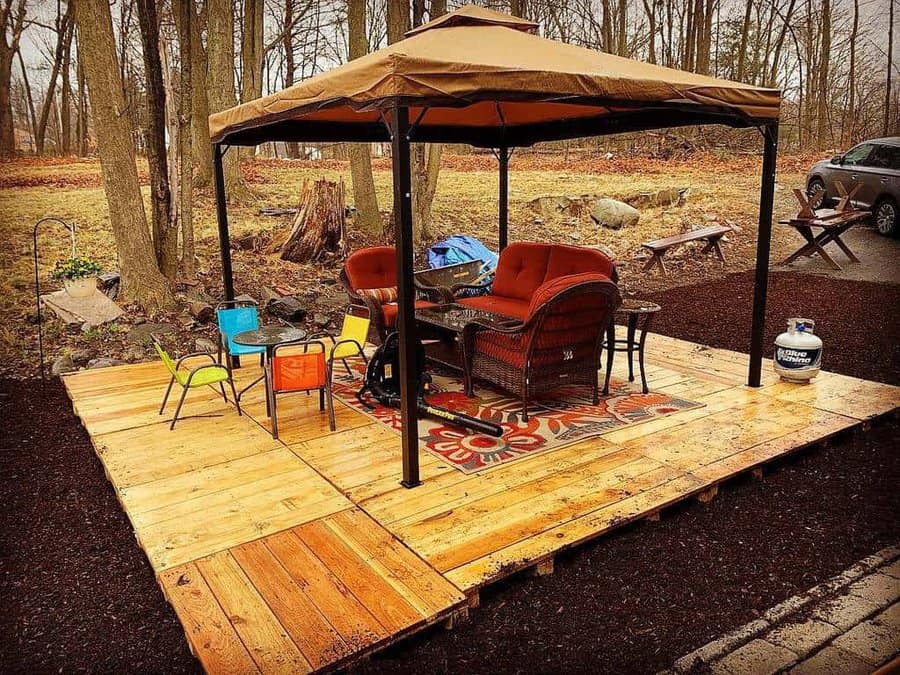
[(305, 552)]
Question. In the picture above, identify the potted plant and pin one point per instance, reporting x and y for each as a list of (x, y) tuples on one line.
[(78, 274)]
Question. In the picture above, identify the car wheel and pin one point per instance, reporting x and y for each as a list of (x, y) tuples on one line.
[(816, 193), (885, 215)]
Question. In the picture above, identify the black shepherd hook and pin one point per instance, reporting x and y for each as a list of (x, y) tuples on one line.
[(37, 278)]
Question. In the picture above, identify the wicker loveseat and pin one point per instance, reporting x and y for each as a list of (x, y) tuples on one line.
[(524, 266), (370, 278), (558, 341)]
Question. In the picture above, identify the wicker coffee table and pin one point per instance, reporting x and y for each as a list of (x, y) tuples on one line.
[(442, 326)]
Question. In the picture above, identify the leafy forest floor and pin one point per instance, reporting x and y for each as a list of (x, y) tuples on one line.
[(722, 188)]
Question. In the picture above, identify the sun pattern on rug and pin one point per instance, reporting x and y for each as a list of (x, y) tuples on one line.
[(561, 418)]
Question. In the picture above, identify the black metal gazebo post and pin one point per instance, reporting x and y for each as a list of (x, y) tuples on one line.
[(222, 218), (406, 320), (763, 247), (503, 215)]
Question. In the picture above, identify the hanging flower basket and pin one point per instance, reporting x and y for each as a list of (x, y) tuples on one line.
[(78, 274)]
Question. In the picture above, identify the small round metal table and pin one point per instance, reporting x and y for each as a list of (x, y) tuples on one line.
[(634, 310), (269, 337)]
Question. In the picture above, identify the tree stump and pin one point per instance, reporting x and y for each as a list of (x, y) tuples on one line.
[(318, 226)]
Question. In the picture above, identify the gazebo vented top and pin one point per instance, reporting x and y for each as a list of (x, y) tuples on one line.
[(481, 77)]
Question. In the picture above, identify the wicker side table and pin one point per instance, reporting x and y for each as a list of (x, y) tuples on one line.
[(634, 310)]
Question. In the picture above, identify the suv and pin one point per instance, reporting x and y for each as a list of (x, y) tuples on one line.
[(875, 166)]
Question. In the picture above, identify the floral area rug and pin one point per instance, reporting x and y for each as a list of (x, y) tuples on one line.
[(556, 419)]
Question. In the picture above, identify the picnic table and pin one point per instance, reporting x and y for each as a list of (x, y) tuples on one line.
[(832, 223)]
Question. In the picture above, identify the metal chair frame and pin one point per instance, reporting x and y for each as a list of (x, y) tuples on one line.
[(324, 390), (187, 385), (353, 310)]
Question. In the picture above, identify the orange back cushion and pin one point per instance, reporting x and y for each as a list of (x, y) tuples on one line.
[(521, 269), (374, 267), (565, 260)]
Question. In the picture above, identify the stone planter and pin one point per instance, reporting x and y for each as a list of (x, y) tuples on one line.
[(80, 288)]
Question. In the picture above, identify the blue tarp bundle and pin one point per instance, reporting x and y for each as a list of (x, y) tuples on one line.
[(459, 248)]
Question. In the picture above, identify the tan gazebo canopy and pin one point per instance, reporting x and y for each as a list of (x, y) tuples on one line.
[(487, 79), (481, 77)]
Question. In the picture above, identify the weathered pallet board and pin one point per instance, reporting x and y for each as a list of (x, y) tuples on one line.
[(306, 598), (306, 553)]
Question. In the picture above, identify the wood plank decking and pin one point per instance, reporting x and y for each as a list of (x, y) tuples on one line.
[(304, 553)]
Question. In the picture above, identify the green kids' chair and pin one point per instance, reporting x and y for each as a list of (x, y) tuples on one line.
[(209, 374)]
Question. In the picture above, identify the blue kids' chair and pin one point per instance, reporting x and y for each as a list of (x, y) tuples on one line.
[(237, 316)]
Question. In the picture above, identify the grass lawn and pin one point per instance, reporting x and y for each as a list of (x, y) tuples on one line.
[(721, 188)]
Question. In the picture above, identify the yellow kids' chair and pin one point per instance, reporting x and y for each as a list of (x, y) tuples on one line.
[(348, 344)]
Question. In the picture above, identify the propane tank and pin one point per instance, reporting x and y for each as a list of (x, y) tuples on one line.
[(798, 352)]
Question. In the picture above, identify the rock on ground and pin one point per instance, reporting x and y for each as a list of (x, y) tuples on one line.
[(63, 364), (614, 214)]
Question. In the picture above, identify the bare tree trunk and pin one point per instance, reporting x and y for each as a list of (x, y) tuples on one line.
[(742, 49), (187, 17), (142, 281), (704, 37), (82, 126), (823, 94), (252, 52), (397, 20), (163, 225), (64, 29), (287, 40), (220, 83), (622, 47), (65, 101), (890, 68), (650, 11), (516, 8), (368, 216), (12, 23), (779, 46), (32, 117), (851, 78), (606, 28), (172, 131), (200, 147)]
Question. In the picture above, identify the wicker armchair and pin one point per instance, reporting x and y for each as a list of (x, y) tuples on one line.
[(557, 344), (369, 276)]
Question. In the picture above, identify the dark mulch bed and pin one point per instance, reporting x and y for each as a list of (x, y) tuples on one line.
[(79, 594), (859, 321)]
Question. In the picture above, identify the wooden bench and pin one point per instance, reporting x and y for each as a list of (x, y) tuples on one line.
[(711, 235)]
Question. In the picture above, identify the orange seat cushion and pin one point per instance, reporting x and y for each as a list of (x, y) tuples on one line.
[(497, 304), (374, 267), (566, 260), (390, 311), (520, 270)]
